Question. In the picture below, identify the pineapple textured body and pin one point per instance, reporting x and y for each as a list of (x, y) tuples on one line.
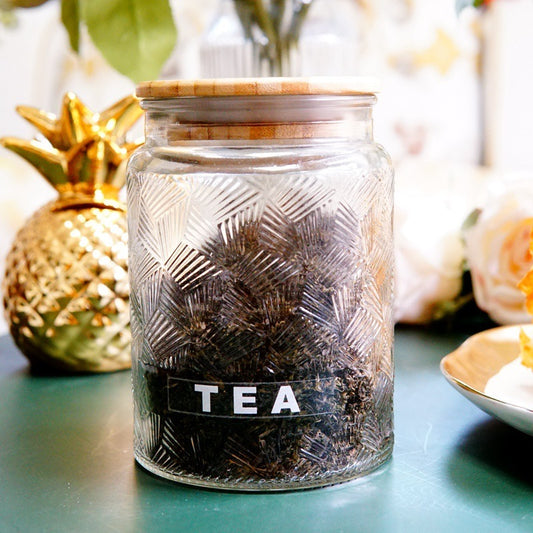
[(66, 289)]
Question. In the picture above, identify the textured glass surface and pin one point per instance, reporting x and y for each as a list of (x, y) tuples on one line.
[(272, 288)]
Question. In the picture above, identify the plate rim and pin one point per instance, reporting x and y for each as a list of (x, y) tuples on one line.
[(450, 378)]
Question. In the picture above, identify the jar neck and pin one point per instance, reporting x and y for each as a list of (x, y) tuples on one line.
[(173, 121)]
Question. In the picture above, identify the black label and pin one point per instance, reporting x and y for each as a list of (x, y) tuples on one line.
[(253, 400)]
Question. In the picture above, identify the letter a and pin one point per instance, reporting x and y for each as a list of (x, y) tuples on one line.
[(285, 400)]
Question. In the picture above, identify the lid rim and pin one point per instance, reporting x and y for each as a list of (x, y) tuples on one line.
[(228, 87)]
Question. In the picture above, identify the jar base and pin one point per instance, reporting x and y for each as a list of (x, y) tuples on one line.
[(334, 478)]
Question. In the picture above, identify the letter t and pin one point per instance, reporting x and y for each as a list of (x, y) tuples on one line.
[(206, 391)]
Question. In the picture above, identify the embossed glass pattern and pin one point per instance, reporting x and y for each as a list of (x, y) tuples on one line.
[(261, 292)]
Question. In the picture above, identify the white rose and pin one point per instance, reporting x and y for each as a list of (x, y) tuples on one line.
[(432, 201), (497, 250), (429, 264)]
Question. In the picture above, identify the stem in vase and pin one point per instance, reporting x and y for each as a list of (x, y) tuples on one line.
[(279, 41)]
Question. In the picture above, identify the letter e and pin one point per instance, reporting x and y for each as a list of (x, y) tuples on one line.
[(239, 399)]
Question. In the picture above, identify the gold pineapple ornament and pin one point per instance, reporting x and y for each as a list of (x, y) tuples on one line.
[(66, 287)]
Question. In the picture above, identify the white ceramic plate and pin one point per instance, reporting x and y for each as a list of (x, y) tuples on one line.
[(478, 359)]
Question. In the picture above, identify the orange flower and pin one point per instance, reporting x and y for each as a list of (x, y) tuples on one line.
[(499, 255), (526, 283)]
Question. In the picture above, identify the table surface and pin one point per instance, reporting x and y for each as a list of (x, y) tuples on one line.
[(66, 463)]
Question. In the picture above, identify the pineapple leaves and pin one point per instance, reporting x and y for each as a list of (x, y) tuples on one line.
[(120, 117), (48, 161), (83, 147)]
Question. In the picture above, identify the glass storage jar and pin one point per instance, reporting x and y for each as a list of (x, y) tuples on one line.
[(261, 270)]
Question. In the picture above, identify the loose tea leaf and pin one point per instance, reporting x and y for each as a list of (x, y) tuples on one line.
[(271, 323)]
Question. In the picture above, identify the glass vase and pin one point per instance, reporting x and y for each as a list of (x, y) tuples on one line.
[(286, 38)]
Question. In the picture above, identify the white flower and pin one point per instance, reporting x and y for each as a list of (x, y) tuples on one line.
[(432, 201), (497, 249), (429, 263)]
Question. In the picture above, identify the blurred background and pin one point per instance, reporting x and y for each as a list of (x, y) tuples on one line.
[(454, 113)]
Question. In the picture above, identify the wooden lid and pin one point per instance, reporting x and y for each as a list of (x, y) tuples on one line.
[(341, 86)]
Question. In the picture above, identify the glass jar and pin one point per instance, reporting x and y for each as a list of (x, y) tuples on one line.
[(261, 268)]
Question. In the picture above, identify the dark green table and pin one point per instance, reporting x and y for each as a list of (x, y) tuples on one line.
[(66, 463)]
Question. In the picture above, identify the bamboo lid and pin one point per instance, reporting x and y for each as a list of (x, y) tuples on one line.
[(341, 86)]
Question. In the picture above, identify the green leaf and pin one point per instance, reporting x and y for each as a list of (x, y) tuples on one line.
[(135, 36), (471, 219), (70, 17), (10, 4), (461, 4)]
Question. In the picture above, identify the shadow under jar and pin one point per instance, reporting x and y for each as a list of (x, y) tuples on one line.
[(261, 270)]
